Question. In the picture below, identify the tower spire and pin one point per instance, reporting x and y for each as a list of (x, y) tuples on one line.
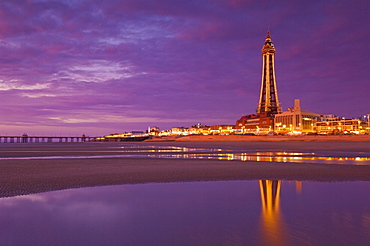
[(269, 101)]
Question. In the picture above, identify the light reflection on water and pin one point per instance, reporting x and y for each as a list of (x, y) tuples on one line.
[(265, 212), (272, 157), (175, 152)]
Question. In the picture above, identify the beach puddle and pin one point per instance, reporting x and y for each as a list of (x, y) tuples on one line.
[(264, 212)]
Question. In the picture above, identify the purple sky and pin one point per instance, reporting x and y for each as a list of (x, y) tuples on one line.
[(100, 67)]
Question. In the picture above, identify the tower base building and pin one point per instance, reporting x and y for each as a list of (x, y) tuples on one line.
[(259, 124)]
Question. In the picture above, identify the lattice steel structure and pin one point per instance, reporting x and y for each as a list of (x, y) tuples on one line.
[(269, 100)]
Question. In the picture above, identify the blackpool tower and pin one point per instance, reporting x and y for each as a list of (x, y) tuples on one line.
[(269, 100), (263, 121)]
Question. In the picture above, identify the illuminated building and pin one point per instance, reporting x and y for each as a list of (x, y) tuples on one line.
[(268, 106), (179, 131), (127, 136), (153, 131), (366, 119), (221, 129), (337, 125), (255, 123), (199, 129), (295, 120)]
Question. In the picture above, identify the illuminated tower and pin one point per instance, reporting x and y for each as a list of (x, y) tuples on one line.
[(269, 101)]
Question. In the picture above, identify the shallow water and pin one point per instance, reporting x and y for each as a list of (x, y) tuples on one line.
[(199, 213), (176, 152)]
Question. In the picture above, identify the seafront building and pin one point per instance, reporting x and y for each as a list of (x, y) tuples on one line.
[(221, 129), (295, 120), (258, 124), (338, 125), (128, 136), (199, 129)]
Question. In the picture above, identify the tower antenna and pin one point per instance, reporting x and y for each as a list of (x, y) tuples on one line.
[(268, 31)]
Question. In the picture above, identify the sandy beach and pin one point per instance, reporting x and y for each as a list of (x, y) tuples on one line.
[(26, 176)]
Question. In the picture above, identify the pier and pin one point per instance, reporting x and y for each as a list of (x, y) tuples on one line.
[(70, 139), (45, 139)]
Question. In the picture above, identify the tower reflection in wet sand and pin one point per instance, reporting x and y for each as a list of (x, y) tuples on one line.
[(273, 229)]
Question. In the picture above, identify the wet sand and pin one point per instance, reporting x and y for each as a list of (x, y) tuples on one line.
[(19, 177)]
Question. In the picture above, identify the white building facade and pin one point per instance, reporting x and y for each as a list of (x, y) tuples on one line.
[(295, 120)]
